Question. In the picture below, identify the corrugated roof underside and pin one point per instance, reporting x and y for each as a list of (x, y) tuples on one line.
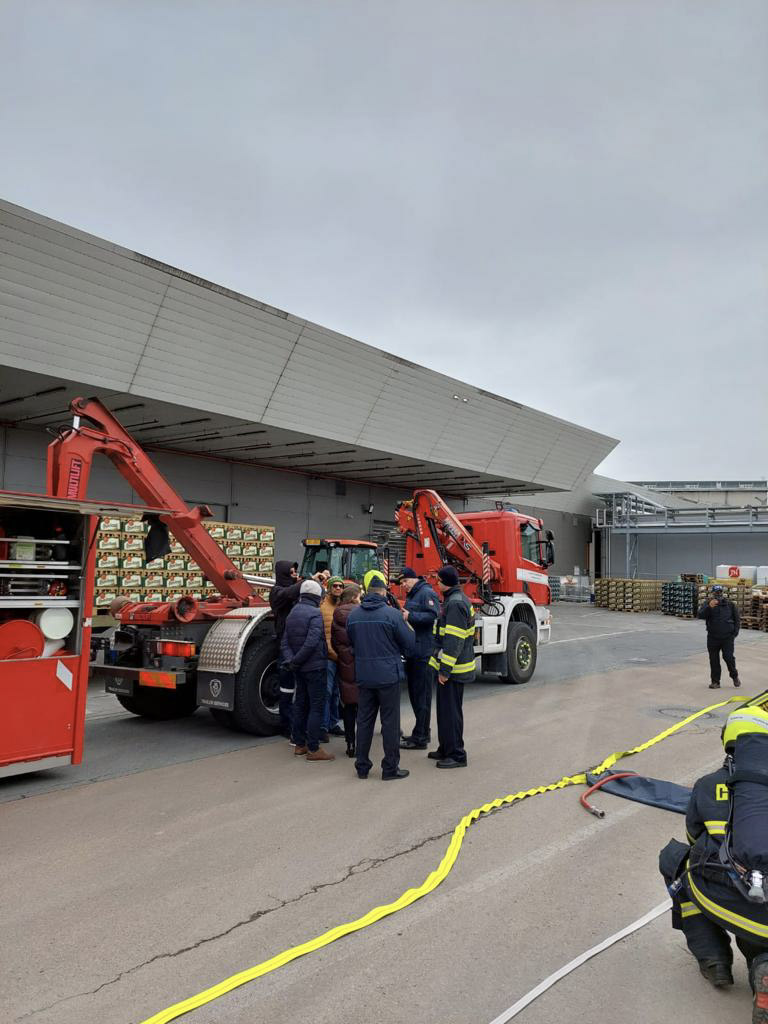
[(84, 309)]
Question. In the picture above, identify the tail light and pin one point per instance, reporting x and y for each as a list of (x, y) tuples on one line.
[(175, 648)]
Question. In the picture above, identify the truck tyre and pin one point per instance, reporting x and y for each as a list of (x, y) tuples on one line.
[(521, 653), (257, 689), (162, 705)]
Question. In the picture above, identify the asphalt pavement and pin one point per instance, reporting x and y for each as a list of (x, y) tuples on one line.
[(180, 853)]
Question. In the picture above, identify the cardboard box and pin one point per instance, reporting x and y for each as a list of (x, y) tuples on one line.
[(109, 541), (154, 580), (266, 549), (154, 596), (132, 562), (265, 568), (250, 533), (176, 581), (137, 596), (133, 543), (195, 580), (156, 563), (176, 563), (134, 526), (176, 547), (108, 560), (249, 565), (216, 530), (233, 533), (251, 550), (234, 550), (109, 524), (104, 598), (267, 533), (132, 580), (105, 580)]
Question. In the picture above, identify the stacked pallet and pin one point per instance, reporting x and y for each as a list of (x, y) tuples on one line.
[(680, 599), (692, 577), (757, 616), (122, 568), (625, 595)]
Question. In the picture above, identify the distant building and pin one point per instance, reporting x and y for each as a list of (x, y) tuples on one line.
[(713, 492)]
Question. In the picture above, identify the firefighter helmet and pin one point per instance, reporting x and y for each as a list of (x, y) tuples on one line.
[(743, 721)]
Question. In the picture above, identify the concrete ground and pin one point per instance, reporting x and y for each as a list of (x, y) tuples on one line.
[(180, 853)]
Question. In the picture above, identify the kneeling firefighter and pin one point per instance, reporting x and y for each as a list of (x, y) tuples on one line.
[(719, 882)]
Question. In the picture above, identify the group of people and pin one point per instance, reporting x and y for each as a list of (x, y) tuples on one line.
[(345, 650)]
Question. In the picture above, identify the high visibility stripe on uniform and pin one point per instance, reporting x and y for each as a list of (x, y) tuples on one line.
[(462, 634), (729, 916), (688, 909), (433, 662), (467, 666), (715, 828), (447, 659)]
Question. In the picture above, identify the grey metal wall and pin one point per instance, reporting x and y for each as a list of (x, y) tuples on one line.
[(298, 506), (665, 556)]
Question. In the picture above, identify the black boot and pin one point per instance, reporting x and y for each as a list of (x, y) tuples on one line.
[(716, 973), (758, 979), (714, 686)]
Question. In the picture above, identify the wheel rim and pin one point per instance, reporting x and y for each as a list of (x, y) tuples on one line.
[(523, 654), (269, 688)]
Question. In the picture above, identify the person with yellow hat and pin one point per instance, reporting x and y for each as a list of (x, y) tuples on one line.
[(719, 879)]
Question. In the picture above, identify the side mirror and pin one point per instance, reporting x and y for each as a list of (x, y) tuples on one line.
[(547, 554)]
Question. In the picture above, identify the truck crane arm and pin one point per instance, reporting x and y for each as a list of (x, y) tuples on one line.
[(70, 457), (429, 520)]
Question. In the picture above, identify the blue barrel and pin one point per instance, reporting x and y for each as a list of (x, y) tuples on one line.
[(749, 841)]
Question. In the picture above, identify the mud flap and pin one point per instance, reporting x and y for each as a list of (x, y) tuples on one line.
[(216, 690)]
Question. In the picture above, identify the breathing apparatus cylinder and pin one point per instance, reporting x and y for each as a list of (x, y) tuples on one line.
[(749, 820)]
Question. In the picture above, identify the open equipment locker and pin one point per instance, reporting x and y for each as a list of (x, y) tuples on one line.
[(42, 698)]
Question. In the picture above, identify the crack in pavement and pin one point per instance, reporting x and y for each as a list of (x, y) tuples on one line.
[(361, 867)]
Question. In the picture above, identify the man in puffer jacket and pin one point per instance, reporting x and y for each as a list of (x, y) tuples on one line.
[(722, 619), (304, 651), (282, 597), (380, 639)]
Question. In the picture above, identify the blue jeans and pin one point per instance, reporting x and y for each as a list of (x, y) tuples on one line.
[(308, 708), (332, 712)]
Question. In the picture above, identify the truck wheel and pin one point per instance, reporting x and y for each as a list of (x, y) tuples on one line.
[(162, 705), (521, 653), (257, 689)]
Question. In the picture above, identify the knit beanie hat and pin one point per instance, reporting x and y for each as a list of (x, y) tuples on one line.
[(332, 580), (311, 587), (448, 575)]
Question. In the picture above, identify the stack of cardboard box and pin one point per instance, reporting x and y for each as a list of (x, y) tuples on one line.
[(121, 567)]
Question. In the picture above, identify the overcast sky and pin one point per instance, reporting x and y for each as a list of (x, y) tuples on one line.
[(563, 202)]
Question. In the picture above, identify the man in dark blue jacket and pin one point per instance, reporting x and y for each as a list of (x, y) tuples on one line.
[(380, 639), (304, 651), (722, 619), (422, 606)]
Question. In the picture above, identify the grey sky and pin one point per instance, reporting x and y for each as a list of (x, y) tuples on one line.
[(563, 202)]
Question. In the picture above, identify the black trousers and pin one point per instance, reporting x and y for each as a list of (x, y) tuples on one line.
[(707, 940), (716, 647), (449, 700), (420, 693), (349, 717), (374, 700), (285, 702)]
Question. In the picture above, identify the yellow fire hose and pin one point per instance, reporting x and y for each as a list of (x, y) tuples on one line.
[(430, 883)]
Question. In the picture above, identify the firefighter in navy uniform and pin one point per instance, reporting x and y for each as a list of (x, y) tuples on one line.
[(453, 661), (708, 893)]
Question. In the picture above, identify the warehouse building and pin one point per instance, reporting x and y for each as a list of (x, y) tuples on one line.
[(229, 394)]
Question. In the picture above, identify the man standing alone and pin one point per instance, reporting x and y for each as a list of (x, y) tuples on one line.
[(422, 607), (722, 619), (454, 663), (380, 639)]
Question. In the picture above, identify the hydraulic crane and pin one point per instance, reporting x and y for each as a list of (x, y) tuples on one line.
[(166, 659), (501, 557)]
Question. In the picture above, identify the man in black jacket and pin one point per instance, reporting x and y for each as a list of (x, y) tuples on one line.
[(380, 639), (282, 597), (422, 606), (722, 619)]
